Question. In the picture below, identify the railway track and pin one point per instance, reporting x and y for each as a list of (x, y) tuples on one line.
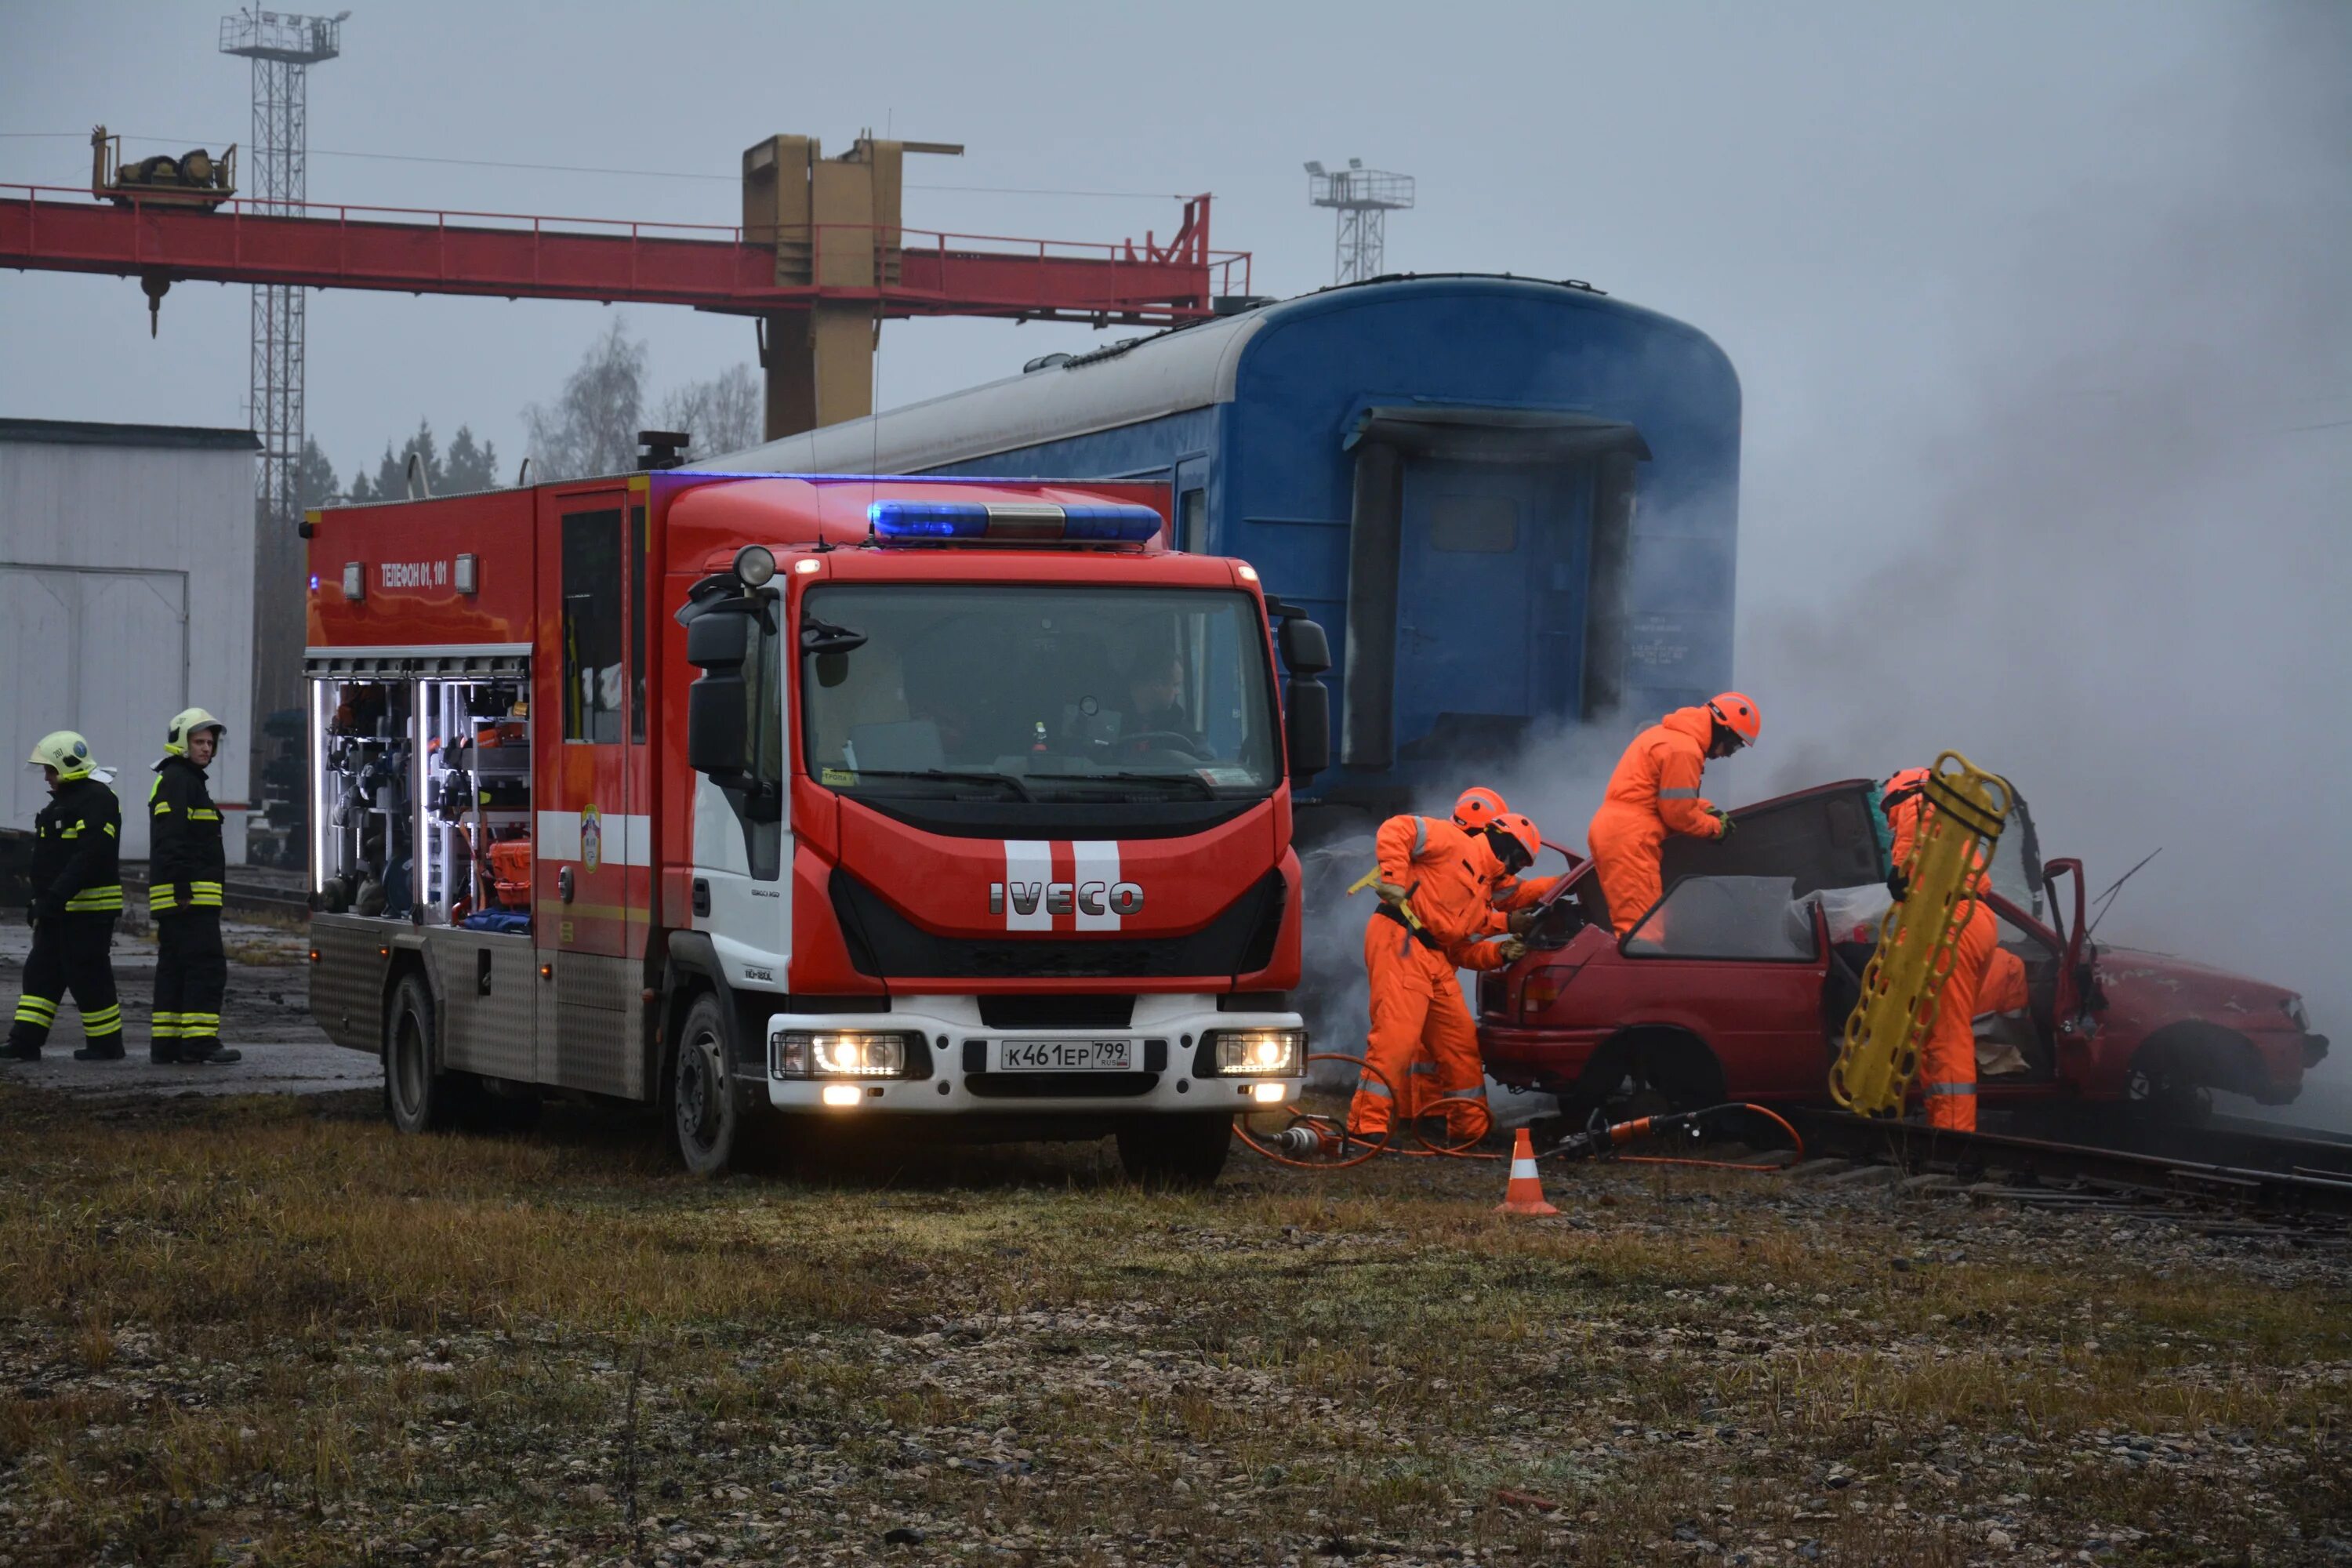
[(2303, 1181)]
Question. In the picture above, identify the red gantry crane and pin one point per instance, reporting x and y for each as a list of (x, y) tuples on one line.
[(820, 259)]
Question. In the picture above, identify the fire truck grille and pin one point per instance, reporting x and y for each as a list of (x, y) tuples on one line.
[(884, 943)]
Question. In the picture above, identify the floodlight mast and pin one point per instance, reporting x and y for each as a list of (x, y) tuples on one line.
[(1363, 199)]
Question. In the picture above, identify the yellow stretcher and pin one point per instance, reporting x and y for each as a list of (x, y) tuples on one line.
[(1903, 983)]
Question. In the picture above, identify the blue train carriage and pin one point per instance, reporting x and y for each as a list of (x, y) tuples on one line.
[(1513, 503)]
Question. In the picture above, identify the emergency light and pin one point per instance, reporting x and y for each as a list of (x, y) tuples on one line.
[(977, 523)]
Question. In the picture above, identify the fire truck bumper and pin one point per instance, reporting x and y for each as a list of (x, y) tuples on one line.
[(935, 1055)]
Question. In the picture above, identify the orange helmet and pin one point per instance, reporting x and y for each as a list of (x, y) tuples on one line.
[(1478, 806), (1738, 715), (1519, 831)]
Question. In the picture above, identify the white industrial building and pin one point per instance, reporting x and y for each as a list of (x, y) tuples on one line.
[(126, 594)]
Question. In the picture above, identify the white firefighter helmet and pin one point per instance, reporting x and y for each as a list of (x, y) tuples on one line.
[(66, 752), (188, 722)]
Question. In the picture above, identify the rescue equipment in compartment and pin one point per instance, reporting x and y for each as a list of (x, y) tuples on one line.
[(1917, 941)]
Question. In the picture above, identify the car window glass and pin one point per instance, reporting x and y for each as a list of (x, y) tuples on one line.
[(1727, 917)]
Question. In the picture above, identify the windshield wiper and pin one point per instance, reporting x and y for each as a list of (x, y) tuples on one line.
[(954, 776), (1192, 781)]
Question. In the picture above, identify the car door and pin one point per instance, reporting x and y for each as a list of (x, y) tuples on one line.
[(1739, 962)]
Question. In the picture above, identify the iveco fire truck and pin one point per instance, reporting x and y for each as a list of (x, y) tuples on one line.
[(954, 804)]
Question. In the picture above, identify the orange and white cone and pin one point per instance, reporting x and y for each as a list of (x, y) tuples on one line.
[(1525, 1194)]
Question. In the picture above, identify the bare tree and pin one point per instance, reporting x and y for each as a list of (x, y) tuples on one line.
[(723, 415), (593, 426)]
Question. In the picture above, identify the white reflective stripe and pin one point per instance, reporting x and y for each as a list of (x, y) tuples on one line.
[(1678, 794), (1948, 1089), (623, 840), (1478, 1093), (557, 837), (1421, 1068), (1028, 867), (1522, 1169), (1095, 869), (1420, 833), (1374, 1086)]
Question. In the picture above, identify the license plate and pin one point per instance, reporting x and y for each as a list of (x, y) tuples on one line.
[(1067, 1056)]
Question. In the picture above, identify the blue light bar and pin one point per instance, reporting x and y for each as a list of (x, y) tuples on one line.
[(1020, 522), (928, 520)]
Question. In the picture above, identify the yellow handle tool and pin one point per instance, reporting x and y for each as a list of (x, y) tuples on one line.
[(1918, 941), (1403, 906)]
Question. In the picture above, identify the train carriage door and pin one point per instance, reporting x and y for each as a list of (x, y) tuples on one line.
[(1192, 532), (591, 825), (1488, 551)]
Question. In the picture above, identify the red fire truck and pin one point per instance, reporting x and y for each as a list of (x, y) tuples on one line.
[(951, 803)]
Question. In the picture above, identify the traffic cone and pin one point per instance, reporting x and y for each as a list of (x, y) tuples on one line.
[(1525, 1194)]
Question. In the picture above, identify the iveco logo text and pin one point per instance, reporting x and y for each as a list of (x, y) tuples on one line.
[(414, 573), (1066, 897)]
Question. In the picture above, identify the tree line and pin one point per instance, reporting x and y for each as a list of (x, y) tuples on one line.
[(589, 426)]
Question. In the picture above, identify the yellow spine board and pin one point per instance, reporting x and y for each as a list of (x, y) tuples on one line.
[(1903, 983)]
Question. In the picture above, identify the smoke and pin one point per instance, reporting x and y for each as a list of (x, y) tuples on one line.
[(2104, 551)]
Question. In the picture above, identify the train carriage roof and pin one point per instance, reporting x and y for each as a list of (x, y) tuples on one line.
[(1120, 384)]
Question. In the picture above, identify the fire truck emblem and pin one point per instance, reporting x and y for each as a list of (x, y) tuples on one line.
[(591, 839), (1029, 899)]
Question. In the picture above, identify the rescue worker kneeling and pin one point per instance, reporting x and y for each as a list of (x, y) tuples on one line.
[(185, 868), (1947, 1056), (77, 883), (1435, 884)]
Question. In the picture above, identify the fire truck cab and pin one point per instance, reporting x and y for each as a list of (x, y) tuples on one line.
[(946, 803)]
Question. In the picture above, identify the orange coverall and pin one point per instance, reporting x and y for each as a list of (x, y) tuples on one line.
[(1947, 1056), (1418, 1017), (1653, 792)]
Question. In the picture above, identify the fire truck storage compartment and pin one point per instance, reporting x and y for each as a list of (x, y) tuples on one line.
[(422, 814)]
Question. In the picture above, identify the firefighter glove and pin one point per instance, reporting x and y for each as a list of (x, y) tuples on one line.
[(1898, 885), (1724, 824), (1512, 948), (1522, 921), (1391, 892)]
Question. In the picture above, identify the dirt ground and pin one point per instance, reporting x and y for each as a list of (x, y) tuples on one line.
[(265, 1014), (268, 1331)]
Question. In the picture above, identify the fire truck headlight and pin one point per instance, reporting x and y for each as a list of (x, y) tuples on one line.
[(1251, 1052), (755, 565), (835, 1053), (842, 1094)]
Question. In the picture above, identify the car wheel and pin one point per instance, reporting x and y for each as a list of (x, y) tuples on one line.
[(1175, 1151), (416, 1098), (708, 1118), (2158, 1094)]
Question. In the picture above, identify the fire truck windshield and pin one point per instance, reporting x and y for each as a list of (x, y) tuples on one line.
[(1042, 693)]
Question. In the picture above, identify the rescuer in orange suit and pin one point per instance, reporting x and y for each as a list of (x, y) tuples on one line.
[(1655, 792), (1479, 806), (1435, 884), (1947, 1056)]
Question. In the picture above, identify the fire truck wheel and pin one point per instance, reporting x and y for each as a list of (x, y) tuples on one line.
[(416, 1097), (1175, 1151), (707, 1110)]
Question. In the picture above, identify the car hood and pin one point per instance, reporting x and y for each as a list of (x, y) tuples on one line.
[(2134, 966)]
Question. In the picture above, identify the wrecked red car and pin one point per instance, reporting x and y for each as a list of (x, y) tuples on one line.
[(1737, 985)]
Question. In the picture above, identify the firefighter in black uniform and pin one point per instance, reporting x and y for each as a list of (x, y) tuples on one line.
[(185, 867), (77, 895)]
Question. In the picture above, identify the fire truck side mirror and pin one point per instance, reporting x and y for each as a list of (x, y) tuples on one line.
[(718, 737), (1304, 649)]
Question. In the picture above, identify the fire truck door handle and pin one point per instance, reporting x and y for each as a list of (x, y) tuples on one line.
[(702, 895), (563, 883)]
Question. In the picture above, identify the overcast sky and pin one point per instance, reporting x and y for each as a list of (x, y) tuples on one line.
[(2039, 310)]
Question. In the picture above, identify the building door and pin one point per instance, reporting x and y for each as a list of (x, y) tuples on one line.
[(592, 844), (98, 650)]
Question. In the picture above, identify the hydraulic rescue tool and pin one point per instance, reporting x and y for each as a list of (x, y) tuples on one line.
[(1918, 940)]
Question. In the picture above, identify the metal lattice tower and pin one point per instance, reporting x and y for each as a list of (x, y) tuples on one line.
[(282, 48), (1363, 197)]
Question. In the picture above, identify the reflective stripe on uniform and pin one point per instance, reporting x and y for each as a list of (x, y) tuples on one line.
[(1948, 1089), (95, 898), (162, 808), (167, 1026), (164, 896), (198, 814), (1420, 1070), (1478, 1094), (36, 1010), (1374, 1086), (1678, 794), (109, 829), (1420, 835)]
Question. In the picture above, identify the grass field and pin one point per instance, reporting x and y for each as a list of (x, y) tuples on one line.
[(270, 1332)]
